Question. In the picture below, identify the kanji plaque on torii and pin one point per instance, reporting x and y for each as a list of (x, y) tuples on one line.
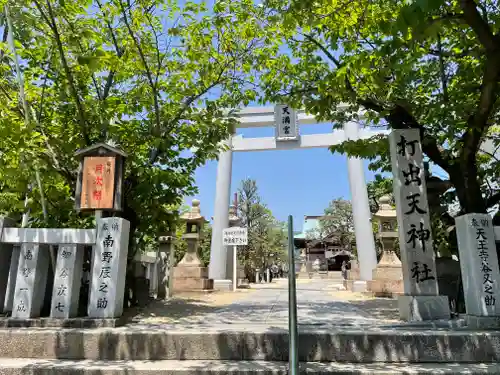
[(286, 123), (100, 178)]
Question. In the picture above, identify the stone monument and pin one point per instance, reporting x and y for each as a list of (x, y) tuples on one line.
[(388, 275), (421, 299), (109, 265), (189, 274), (165, 265), (480, 271)]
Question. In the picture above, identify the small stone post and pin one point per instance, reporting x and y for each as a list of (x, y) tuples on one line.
[(67, 281), (31, 281), (166, 250), (480, 273), (109, 266), (421, 300)]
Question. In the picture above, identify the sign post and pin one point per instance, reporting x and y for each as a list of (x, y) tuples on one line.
[(100, 179), (235, 236)]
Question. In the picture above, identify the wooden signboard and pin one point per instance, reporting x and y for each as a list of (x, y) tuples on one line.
[(98, 183)]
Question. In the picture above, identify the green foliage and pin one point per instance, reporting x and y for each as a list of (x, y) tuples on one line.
[(156, 80), (266, 235), (339, 221), (376, 189), (429, 65)]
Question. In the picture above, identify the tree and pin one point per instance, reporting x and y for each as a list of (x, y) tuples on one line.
[(156, 80), (377, 188), (266, 235), (427, 65), (339, 221)]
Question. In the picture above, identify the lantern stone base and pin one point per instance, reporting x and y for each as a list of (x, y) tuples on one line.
[(387, 278), (420, 308), (386, 288), (191, 278)]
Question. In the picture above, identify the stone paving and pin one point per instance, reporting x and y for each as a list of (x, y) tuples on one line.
[(320, 302)]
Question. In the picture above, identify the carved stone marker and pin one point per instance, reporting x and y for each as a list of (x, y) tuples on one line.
[(109, 265), (31, 281), (479, 266), (67, 281), (421, 300)]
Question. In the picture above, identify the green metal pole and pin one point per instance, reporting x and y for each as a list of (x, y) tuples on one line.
[(293, 357)]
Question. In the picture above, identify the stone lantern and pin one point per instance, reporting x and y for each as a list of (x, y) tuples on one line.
[(193, 233), (388, 275), (189, 274)]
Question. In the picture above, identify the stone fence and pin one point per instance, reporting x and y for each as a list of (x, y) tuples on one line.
[(25, 256)]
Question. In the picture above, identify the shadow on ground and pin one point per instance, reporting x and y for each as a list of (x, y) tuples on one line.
[(378, 308)]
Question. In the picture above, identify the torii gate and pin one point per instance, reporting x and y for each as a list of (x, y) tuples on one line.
[(287, 138)]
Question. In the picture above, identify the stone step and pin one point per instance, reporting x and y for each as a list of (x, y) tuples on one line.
[(198, 342), (67, 367)]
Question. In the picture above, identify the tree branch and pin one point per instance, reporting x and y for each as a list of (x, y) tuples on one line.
[(119, 53), (479, 25), (156, 152), (323, 49), (51, 22), (494, 199), (442, 70), (398, 117), (478, 123), (149, 74)]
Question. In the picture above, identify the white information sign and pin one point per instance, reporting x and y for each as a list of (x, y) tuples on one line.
[(235, 236), (285, 119)]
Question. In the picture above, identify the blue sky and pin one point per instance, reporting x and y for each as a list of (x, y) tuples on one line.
[(292, 182)]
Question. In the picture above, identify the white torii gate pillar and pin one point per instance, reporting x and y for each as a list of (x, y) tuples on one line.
[(365, 244), (218, 256)]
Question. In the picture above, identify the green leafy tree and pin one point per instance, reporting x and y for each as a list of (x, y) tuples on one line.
[(338, 220), (266, 235), (427, 65), (155, 79)]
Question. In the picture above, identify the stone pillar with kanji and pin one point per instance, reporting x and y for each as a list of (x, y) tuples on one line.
[(421, 299), (480, 271), (109, 266), (189, 274)]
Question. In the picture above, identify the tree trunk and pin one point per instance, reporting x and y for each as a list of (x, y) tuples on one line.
[(468, 188)]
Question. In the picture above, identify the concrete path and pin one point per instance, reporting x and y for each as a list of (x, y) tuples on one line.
[(320, 302)]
